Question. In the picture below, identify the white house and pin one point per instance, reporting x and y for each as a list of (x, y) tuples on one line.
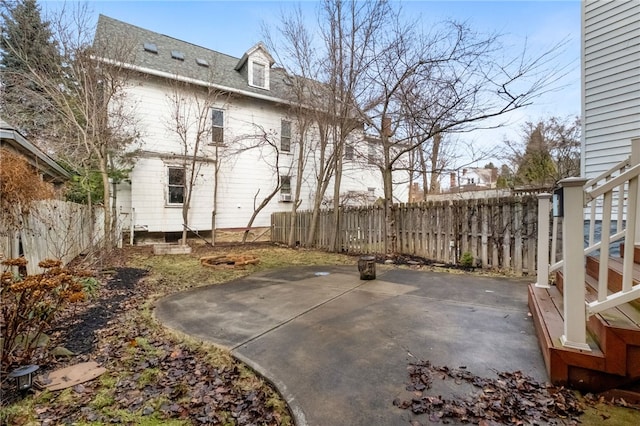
[(610, 82), (249, 143)]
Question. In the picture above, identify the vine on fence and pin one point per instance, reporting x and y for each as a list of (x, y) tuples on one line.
[(31, 302)]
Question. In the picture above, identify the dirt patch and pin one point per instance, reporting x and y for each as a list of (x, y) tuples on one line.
[(228, 261)]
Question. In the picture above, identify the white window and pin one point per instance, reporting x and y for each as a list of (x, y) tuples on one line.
[(217, 126), (258, 75), (176, 185), (348, 152), (371, 158), (285, 136)]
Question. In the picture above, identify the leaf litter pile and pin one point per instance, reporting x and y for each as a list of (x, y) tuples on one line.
[(511, 398)]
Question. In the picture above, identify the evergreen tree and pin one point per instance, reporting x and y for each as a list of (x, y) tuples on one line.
[(537, 167), (26, 44)]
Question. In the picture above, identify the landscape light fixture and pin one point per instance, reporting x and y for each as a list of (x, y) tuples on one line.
[(24, 376)]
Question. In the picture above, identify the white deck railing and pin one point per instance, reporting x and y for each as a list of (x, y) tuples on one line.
[(611, 198)]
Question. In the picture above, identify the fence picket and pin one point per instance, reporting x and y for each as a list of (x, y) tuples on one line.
[(500, 232)]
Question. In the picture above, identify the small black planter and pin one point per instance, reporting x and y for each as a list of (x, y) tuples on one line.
[(367, 267)]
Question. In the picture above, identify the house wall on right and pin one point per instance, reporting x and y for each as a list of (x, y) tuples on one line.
[(610, 82)]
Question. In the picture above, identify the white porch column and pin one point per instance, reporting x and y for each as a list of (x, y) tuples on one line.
[(542, 280), (575, 318)]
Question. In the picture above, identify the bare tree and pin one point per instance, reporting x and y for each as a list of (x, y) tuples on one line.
[(448, 81), (92, 122), (328, 81), (192, 119), (299, 54), (351, 31), (409, 89)]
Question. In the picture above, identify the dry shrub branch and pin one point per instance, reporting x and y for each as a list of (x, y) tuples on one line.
[(20, 184), (31, 302)]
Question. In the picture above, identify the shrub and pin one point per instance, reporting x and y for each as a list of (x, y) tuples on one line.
[(466, 261), (30, 303)]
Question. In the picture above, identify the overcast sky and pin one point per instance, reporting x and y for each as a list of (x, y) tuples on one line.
[(232, 27)]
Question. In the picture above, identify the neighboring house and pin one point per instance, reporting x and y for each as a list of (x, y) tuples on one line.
[(610, 82), (13, 242), (251, 141), (474, 178), (49, 169)]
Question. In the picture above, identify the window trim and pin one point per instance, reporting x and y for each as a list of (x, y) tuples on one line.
[(251, 74), (285, 139), (174, 185)]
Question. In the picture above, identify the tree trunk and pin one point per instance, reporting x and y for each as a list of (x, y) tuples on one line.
[(258, 209), (434, 186), (425, 179), (106, 187), (216, 173), (185, 217), (296, 200), (391, 237), (335, 243)]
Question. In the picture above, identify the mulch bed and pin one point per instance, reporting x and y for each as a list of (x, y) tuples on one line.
[(78, 334), (97, 330)]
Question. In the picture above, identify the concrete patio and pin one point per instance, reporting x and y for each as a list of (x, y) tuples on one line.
[(338, 347)]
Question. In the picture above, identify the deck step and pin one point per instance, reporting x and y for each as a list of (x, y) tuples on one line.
[(636, 253), (593, 371), (615, 271), (615, 275)]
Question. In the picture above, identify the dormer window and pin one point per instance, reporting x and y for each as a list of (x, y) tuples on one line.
[(255, 65), (258, 75)]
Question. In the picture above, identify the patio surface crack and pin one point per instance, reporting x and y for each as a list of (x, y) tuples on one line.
[(277, 326)]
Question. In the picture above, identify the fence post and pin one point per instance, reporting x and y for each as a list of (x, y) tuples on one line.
[(575, 319), (542, 280)]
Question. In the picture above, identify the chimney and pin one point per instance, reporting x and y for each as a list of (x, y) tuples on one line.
[(386, 126), (452, 180)]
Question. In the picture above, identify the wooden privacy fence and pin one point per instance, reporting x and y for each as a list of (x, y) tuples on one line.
[(500, 233), (52, 229)]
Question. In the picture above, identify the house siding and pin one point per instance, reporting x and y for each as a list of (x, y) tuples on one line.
[(611, 82), (247, 166)]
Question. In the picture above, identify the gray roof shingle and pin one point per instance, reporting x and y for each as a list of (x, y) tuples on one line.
[(221, 70)]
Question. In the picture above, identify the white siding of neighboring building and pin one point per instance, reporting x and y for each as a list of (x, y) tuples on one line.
[(610, 82)]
